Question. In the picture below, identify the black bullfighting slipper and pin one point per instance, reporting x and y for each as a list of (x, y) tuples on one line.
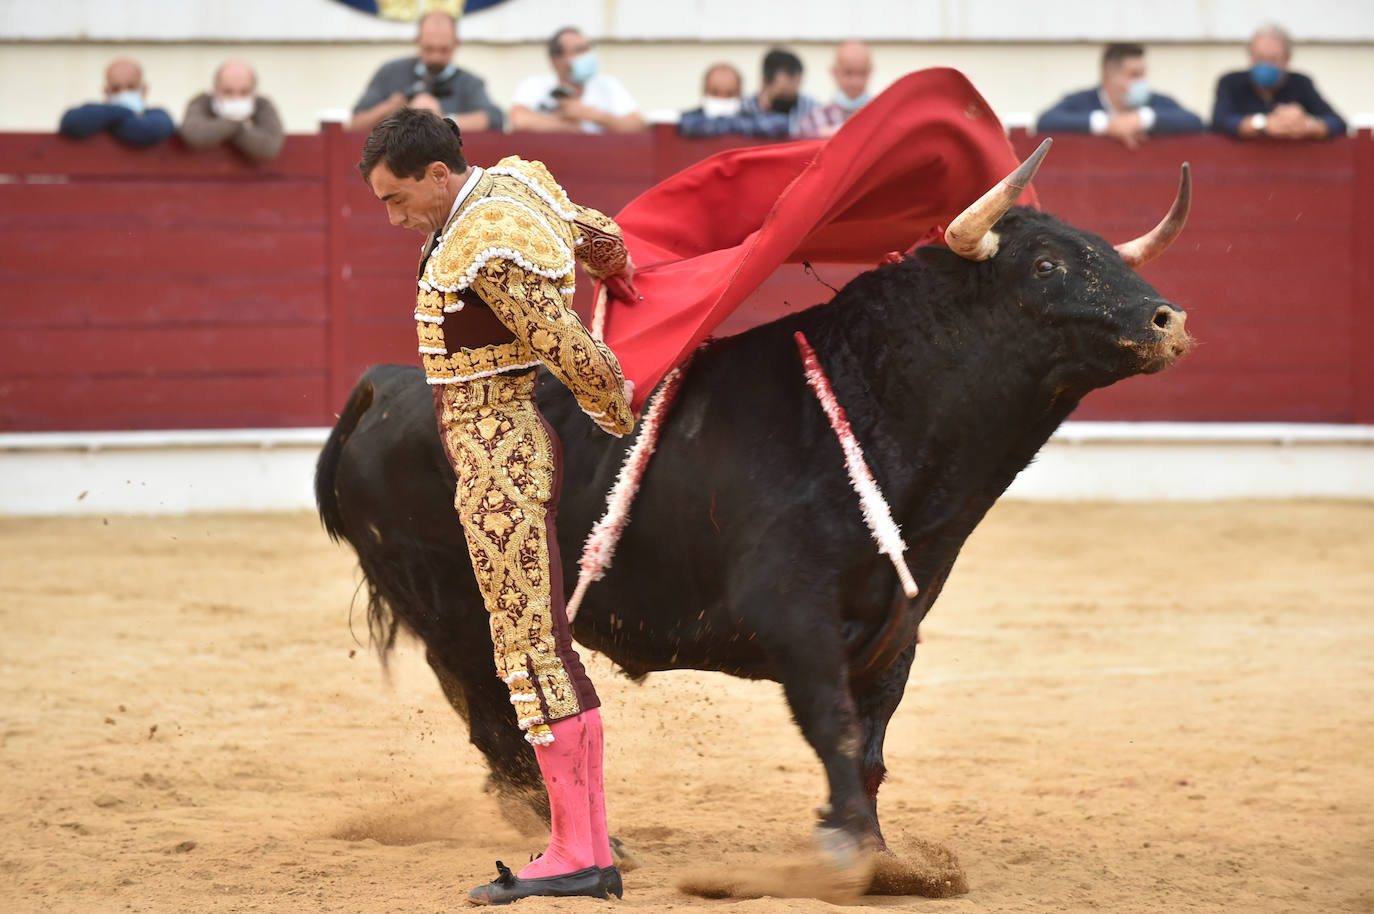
[(508, 887), (610, 876)]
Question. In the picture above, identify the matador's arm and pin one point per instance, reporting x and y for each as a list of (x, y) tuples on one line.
[(534, 310), (601, 248), (601, 251)]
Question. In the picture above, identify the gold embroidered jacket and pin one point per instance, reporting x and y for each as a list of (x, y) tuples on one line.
[(513, 243)]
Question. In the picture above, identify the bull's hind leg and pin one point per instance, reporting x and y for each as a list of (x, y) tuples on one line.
[(483, 701), (877, 701)]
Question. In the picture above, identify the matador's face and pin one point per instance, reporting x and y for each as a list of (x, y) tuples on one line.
[(419, 203)]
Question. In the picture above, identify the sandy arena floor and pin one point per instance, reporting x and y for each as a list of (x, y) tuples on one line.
[(1122, 708)]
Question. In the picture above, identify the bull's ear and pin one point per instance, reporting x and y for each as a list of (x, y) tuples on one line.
[(939, 257)]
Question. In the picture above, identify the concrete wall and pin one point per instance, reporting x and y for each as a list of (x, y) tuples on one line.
[(316, 55), (306, 80), (273, 469), (700, 20)]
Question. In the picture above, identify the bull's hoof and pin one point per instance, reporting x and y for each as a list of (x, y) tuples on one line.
[(624, 857), (851, 859)]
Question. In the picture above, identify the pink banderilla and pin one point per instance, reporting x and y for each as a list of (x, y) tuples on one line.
[(599, 548), (875, 510)]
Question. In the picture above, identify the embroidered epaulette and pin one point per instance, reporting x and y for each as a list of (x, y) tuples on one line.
[(536, 177), (496, 226)]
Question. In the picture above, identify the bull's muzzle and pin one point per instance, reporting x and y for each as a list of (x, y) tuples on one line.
[(1167, 340)]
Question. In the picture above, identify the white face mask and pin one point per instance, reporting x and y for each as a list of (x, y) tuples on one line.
[(129, 98), (713, 106), (1138, 93), (233, 109)]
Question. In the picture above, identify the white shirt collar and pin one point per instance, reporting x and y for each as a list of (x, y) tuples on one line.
[(463, 194), (468, 185)]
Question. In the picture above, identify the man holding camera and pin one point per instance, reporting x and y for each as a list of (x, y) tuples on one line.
[(430, 82)]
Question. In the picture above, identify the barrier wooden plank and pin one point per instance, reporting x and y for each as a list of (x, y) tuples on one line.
[(158, 351), (112, 204), (80, 402), (121, 301), (46, 154)]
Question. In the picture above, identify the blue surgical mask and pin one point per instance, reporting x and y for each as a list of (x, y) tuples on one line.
[(129, 98), (1266, 75), (438, 76), (1138, 93), (584, 67), (851, 104)]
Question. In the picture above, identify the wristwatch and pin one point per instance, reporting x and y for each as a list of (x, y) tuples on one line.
[(1259, 122)]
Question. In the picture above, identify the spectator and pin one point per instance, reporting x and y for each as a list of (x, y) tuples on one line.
[(1270, 100), (576, 96), (722, 109), (1123, 107), (781, 92), (776, 110), (429, 81), (235, 114), (852, 68), (124, 113)]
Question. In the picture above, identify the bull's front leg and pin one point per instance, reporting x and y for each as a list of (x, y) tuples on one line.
[(810, 660), (877, 701)]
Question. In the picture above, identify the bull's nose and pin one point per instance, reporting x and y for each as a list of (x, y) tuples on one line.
[(1167, 318)]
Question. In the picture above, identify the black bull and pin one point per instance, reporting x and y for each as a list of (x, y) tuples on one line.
[(746, 552)]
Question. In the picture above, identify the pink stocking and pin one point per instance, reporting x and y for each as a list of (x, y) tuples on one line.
[(596, 793), (565, 766)]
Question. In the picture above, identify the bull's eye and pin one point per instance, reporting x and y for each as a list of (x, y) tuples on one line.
[(1045, 267)]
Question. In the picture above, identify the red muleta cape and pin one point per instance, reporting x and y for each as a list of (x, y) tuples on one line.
[(708, 240)]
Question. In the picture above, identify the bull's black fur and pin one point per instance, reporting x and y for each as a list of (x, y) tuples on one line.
[(746, 552)]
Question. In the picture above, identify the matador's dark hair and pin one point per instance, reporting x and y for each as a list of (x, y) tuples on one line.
[(409, 140)]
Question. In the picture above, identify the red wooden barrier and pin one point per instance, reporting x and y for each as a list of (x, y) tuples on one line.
[(169, 289)]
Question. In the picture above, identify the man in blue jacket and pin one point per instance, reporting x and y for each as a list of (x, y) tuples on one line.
[(1270, 100), (124, 113), (1123, 107)]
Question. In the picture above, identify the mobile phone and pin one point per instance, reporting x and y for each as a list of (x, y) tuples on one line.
[(561, 92)]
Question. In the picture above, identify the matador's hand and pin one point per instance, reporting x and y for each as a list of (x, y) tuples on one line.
[(601, 419), (619, 284)]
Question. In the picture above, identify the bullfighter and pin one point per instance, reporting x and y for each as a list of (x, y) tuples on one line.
[(494, 300)]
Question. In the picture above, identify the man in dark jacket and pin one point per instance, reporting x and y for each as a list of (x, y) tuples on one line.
[(1270, 100), (429, 81), (776, 111), (234, 113), (124, 113), (1123, 107)]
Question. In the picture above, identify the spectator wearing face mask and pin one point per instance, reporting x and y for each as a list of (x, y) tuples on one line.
[(1269, 99), (781, 92), (577, 97), (429, 81), (124, 114), (235, 114), (1123, 107), (722, 109), (852, 68)]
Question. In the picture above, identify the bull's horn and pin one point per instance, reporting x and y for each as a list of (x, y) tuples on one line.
[(1150, 245), (971, 234)]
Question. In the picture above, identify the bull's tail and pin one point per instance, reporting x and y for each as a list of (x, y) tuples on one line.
[(326, 498)]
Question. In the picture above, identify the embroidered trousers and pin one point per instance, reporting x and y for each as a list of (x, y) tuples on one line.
[(509, 466)]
